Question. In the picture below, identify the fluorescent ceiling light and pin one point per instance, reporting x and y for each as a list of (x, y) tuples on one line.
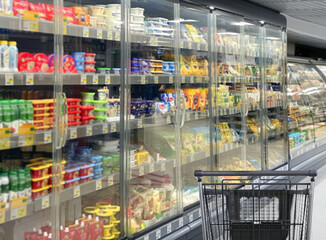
[(241, 23), (182, 20), (273, 38), (229, 33)]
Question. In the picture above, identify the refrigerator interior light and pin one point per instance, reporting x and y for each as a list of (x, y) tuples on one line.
[(241, 23)]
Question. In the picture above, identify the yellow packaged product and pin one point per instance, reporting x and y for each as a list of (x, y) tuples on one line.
[(142, 157)]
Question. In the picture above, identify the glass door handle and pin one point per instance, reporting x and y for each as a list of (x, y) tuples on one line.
[(65, 119)]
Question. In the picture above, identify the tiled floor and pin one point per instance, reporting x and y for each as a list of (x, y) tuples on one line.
[(319, 212)]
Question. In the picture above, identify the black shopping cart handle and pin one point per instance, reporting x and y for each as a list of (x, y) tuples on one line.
[(200, 173)]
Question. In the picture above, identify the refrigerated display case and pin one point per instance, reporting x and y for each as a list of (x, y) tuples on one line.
[(113, 105)]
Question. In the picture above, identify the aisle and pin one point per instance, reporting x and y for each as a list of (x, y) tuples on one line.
[(319, 219)]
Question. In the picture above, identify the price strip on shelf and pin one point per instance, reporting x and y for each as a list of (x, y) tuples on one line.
[(158, 233), (183, 79), (113, 127), (156, 79), (89, 131), (109, 35), (83, 79), (18, 208), (153, 41), (2, 212), (188, 116), (85, 32), (73, 133), (30, 21), (98, 185), (182, 44), (4, 143), (170, 79), (76, 191), (47, 137), (99, 34), (141, 171), (45, 202), (30, 79), (107, 79), (168, 119), (95, 79), (105, 128), (196, 115), (140, 123), (142, 80), (117, 36), (169, 228), (163, 167), (9, 79), (25, 140), (110, 180), (191, 79), (152, 167)]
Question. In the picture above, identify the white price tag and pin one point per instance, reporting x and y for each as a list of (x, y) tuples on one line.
[(109, 35), (152, 167), (170, 79), (47, 137), (89, 131), (189, 45), (107, 79), (198, 46), (117, 36), (9, 79), (83, 79), (183, 79), (191, 217), (76, 191), (168, 119), (99, 34), (85, 32), (110, 180), (169, 228), (199, 79), (180, 222), (188, 116), (158, 234), (73, 133), (191, 79), (146, 237), (98, 184), (105, 128), (182, 44), (30, 79), (95, 79), (143, 80), (141, 171), (196, 115), (153, 41), (156, 79), (45, 202), (113, 127), (163, 167), (140, 123)]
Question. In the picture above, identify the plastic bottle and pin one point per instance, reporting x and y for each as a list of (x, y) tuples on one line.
[(22, 112), (13, 56), (14, 116), (28, 183), (13, 185), (4, 56), (29, 111), (21, 183), (4, 186), (6, 114)]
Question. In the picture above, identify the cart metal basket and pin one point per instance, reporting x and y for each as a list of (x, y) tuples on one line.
[(256, 205)]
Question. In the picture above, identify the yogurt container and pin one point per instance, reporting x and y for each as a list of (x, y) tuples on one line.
[(100, 104), (85, 169), (39, 170), (87, 103), (137, 11), (89, 64), (97, 166), (86, 178), (104, 70), (84, 150), (40, 192), (100, 112), (98, 172), (71, 173), (103, 25), (39, 183), (72, 183), (116, 70), (87, 120), (137, 19), (73, 101), (87, 96), (90, 56), (94, 158), (114, 7), (78, 56), (100, 119), (93, 21), (97, 10)]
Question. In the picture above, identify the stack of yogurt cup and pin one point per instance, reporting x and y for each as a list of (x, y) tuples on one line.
[(137, 21), (113, 14)]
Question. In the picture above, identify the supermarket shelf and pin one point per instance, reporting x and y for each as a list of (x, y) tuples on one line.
[(306, 147)]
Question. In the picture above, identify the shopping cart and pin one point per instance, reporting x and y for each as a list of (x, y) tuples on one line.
[(254, 205)]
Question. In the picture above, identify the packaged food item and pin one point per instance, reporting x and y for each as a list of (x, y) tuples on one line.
[(13, 56), (6, 6), (90, 57), (104, 70), (161, 108), (38, 183), (100, 112), (71, 173), (98, 173), (49, 11), (83, 150), (39, 170), (69, 64), (40, 192), (100, 104), (81, 16), (26, 62), (87, 178), (73, 101), (85, 169), (86, 111), (72, 182), (38, 9), (70, 15), (90, 64), (93, 158), (19, 6), (4, 56)]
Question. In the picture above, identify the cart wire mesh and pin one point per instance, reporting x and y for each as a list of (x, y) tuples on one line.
[(254, 206)]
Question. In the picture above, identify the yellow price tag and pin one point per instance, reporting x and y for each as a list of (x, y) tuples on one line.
[(113, 127), (25, 140), (95, 79), (110, 35), (76, 191), (4, 143), (107, 79), (98, 184), (30, 21), (141, 171), (9, 79), (30, 79), (156, 79), (85, 32), (89, 131), (99, 34), (5, 132), (26, 130), (110, 180), (2, 217), (64, 30), (83, 79), (45, 202), (117, 36)]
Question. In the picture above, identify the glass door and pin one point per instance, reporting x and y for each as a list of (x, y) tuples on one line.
[(275, 98), (153, 118), (194, 84)]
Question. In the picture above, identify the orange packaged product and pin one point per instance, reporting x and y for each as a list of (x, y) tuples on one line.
[(69, 14), (81, 16), (188, 99)]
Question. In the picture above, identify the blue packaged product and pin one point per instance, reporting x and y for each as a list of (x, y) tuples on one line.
[(162, 108), (81, 157), (98, 176), (70, 150), (97, 165), (97, 172), (78, 56), (84, 150), (93, 158), (70, 156)]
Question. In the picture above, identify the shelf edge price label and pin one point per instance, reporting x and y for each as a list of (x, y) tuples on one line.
[(98, 184), (18, 208), (25, 140), (196, 115), (183, 79), (158, 233), (107, 79), (198, 46), (110, 180), (141, 171), (188, 116), (163, 167), (169, 228), (117, 36), (99, 34), (2, 212), (45, 202), (113, 127), (73, 133), (89, 131), (168, 119), (146, 237), (182, 44), (153, 41), (83, 79), (191, 79), (109, 35), (142, 80), (30, 79), (30, 21), (76, 191), (9, 79), (191, 217), (47, 137), (95, 79), (199, 79), (152, 167), (156, 79), (140, 123), (189, 45), (181, 222), (85, 32), (170, 79), (105, 128)]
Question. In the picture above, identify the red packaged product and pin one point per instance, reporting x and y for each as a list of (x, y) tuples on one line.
[(49, 11), (37, 235), (37, 8), (69, 64), (66, 235), (72, 183), (69, 14), (38, 183), (72, 108), (95, 228), (46, 228), (74, 124), (26, 62), (41, 63), (72, 173), (72, 115), (85, 169), (73, 119), (80, 232), (85, 110), (73, 101), (19, 6), (86, 120)]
